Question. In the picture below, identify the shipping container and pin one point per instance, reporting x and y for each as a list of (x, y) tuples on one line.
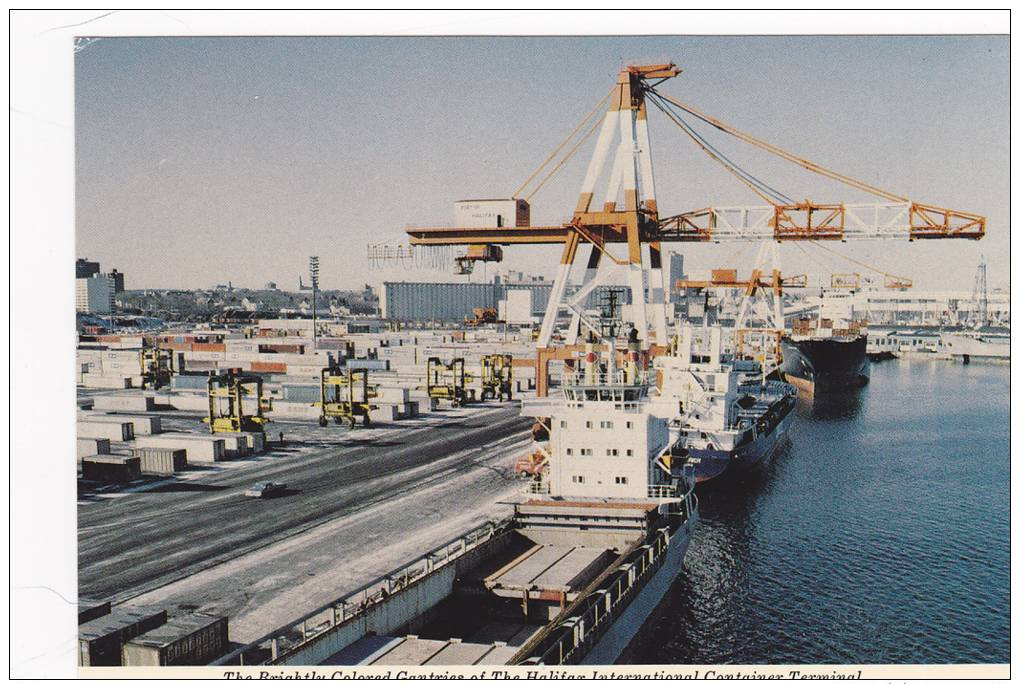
[(192, 639), (140, 425), (209, 347), (161, 461), (116, 432), (92, 446), (112, 402), (200, 448), (90, 610), (111, 468), (266, 367), (302, 393), (189, 382), (100, 641)]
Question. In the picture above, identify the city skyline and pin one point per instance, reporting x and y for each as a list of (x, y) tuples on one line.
[(237, 158)]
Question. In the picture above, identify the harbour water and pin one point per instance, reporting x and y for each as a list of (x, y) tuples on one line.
[(879, 534)]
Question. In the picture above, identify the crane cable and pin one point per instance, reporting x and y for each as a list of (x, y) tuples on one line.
[(859, 263), (566, 158), (562, 145), (757, 186), (779, 152)]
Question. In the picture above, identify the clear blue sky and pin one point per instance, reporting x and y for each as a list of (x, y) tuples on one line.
[(205, 160)]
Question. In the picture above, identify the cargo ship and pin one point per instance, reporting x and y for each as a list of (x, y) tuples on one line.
[(990, 345), (827, 353), (569, 578), (728, 417)]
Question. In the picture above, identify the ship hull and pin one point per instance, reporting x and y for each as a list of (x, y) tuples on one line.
[(621, 633), (968, 348), (823, 366), (743, 460)]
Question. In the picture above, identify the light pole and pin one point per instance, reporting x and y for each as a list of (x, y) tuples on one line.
[(313, 270)]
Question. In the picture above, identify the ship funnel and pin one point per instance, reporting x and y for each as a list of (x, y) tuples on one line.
[(590, 361), (633, 357)]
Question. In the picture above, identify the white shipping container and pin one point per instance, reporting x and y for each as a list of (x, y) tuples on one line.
[(518, 307), (142, 425), (97, 381), (113, 402), (200, 448), (115, 432), (92, 446), (189, 402)]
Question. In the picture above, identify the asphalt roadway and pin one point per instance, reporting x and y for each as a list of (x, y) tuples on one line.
[(131, 545)]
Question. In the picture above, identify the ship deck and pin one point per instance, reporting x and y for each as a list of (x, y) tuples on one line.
[(546, 570), (482, 622), (413, 650)]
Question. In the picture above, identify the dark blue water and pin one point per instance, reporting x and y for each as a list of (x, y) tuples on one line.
[(880, 534)]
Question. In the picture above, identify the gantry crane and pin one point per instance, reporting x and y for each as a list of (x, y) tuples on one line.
[(629, 215), (157, 367), (236, 403), (447, 381), (497, 376), (344, 394)]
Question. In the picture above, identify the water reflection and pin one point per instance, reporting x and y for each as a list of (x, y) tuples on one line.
[(717, 578), (841, 550), (833, 407)]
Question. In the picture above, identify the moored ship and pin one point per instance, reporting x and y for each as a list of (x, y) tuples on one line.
[(568, 579), (828, 353), (729, 417), (985, 345)]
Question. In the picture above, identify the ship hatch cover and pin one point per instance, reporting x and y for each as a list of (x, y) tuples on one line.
[(746, 401)]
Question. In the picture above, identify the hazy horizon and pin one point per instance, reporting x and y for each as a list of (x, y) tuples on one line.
[(206, 160)]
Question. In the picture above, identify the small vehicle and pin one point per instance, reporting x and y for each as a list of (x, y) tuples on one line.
[(265, 490)]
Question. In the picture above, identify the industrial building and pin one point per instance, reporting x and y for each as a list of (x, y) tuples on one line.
[(894, 307), (454, 302)]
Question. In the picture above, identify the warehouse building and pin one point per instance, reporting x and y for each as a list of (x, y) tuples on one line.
[(453, 302)]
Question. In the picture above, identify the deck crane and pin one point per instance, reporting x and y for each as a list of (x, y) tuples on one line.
[(635, 221)]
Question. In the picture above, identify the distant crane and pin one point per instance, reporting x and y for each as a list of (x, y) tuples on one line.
[(629, 215), (978, 317)]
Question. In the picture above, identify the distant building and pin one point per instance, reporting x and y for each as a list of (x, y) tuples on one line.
[(270, 285), (83, 268), (95, 294), (453, 302), (676, 272), (118, 280)]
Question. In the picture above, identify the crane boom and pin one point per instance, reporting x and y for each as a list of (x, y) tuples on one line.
[(804, 221)]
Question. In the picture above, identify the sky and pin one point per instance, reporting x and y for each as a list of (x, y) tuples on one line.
[(206, 160)]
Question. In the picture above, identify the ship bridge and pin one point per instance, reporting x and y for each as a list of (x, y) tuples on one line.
[(624, 389)]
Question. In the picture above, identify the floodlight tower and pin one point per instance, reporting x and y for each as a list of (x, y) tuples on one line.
[(313, 271)]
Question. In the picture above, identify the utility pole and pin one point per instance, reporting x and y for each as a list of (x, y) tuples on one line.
[(313, 270)]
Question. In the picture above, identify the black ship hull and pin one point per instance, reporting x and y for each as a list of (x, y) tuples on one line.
[(826, 365)]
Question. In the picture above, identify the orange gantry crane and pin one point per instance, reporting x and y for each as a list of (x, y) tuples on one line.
[(629, 215)]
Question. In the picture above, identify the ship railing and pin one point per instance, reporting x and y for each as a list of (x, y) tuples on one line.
[(538, 487), (619, 378), (351, 605), (664, 492)]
